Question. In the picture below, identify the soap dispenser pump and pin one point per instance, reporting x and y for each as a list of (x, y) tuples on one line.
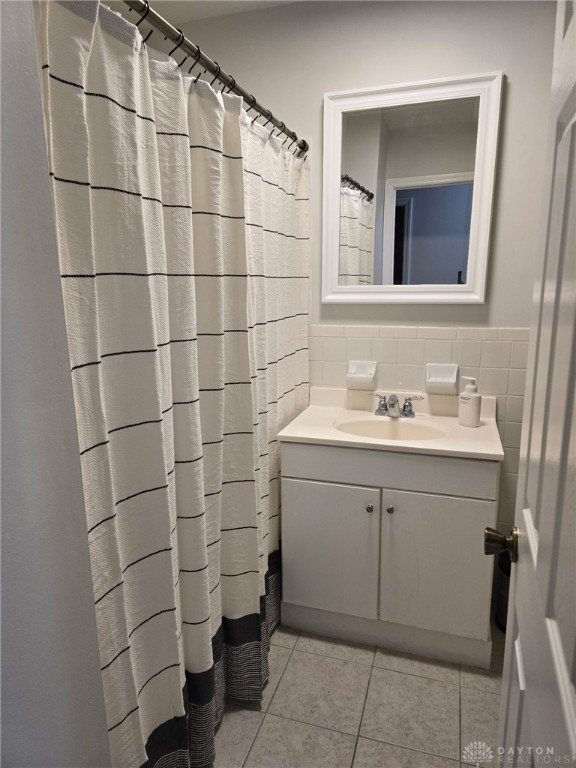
[(469, 404)]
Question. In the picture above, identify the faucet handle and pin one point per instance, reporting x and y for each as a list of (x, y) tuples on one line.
[(382, 404), (407, 410)]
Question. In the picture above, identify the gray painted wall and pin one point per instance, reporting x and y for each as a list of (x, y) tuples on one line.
[(291, 55), (52, 702)]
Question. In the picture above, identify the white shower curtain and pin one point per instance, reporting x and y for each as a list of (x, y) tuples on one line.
[(183, 243), (356, 266)]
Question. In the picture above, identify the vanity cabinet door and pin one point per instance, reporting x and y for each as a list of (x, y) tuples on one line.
[(434, 574), (330, 543)]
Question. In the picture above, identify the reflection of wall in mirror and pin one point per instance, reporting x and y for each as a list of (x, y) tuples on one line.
[(360, 147), (379, 201), (428, 151)]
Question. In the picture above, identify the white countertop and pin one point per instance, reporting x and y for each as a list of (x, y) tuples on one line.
[(331, 406)]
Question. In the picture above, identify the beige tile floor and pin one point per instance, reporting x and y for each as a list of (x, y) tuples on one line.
[(331, 704)]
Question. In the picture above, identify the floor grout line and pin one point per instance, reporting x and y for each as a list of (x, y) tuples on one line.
[(390, 669), (311, 725), (337, 658), (364, 706), (333, 658), (422, 677), (454, 760), (254, 739), (271, 700)]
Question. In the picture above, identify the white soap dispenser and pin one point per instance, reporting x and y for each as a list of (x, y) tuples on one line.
[(469, 404)]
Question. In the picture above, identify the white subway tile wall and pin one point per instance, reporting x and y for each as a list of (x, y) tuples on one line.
[(496, 357)]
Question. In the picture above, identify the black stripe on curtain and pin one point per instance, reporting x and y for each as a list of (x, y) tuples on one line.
[(240, 672)]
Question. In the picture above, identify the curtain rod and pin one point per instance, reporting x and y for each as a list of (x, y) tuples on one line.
[(345, 179), (191, 50)]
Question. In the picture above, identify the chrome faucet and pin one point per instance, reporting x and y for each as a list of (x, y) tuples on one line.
[(391, 407), (394, 407)]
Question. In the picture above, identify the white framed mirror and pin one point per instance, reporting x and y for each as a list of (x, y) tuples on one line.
[(408, 188)]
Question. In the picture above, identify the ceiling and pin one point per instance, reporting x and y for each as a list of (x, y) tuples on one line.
[(433, 114), (430, 114), (180, 12)]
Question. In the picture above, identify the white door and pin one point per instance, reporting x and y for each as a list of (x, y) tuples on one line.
[(538, 714), (330, 546)]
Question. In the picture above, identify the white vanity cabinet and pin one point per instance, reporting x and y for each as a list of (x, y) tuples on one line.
[(434, 574), (332, 533), (387, 547)]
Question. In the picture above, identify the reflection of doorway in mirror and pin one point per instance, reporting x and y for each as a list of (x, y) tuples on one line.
[(402, 222), (432, 234)]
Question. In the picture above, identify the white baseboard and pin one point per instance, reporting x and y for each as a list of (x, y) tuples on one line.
[(393, 637)]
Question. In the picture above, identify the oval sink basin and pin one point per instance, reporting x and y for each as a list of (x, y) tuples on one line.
[(390, 430)]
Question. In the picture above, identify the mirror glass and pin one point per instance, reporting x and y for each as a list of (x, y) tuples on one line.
[(408, 186), (406, 193)]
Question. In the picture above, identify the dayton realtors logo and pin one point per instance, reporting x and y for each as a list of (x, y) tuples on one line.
[(478, 753)]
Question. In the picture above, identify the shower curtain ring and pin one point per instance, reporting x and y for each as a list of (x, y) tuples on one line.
[(281, 129), (148, 36), (231, 88), (196, 59), (179, 43), (253, 102), (146, 12), (269, 115), (216, 75)]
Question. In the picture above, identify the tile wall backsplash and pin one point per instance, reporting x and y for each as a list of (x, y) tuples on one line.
[(495, 356)]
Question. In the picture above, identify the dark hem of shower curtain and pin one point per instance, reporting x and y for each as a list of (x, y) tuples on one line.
[(240, 672)]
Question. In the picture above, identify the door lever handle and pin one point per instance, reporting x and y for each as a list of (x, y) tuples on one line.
[(496, 542)]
